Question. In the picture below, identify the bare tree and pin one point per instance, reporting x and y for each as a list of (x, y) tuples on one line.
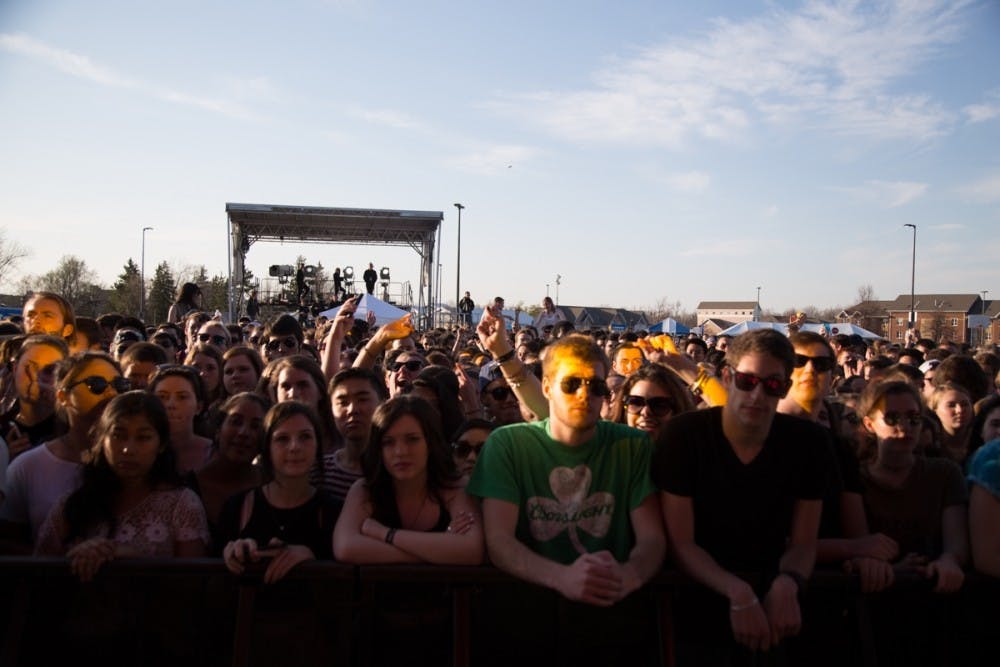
[(866, 293), (11, 254)]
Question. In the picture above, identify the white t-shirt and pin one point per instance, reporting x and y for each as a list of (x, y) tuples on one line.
[(35, 481)]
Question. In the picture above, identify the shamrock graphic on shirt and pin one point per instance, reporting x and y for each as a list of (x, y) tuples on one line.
[(572, 509)]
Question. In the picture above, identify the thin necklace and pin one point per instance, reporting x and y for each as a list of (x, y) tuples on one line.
[(416, 519)]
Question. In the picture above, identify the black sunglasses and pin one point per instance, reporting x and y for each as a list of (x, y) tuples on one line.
[(820, 364), (413, 365), (98, 385), (658, 405), (596, 386), (290, 343), (773, 386), (500, 393), (164, 341), (895, 419), (463, 448), (215, 338)]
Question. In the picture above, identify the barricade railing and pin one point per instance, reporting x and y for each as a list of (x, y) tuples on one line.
[(194, 612)]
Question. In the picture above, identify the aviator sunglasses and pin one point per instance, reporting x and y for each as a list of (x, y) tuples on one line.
[(289, 343), (773, 386), (658, 405), (98, 385), (597, 386), (215, 338), (820, 364)]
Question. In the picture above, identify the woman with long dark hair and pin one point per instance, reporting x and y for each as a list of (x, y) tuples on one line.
[(410, 505), (188, 299), (130, 502)]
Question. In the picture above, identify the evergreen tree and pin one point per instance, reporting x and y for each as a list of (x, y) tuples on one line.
[(162, 291), (125, 295)]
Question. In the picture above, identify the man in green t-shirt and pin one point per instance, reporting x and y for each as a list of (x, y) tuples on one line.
[(568, 502)]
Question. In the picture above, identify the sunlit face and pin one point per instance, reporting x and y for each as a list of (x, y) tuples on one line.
[(138, 373), (239, 375), (647, 418), (131, 447), (34, 375), (295, 384), (991, 425), (178, 397), (44, 316), (954, 409), (354, 402), (896, 423), (695, 351), (79, 400), (293, 447), (753, 410), (581, 410), (208, 368), (627, 361), (722, 344), (407, 366), (242, 432), (404, 449), (808, 384), (469, 443)]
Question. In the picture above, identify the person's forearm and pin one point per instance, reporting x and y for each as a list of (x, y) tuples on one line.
[(330, 362), (525, 386), (441, 548), (369, 353), (835, 550), (799, 559), (361, 549), (514, 558), (700, 565), (644, 561)]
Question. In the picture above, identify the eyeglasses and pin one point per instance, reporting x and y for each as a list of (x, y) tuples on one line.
[(896, 419), (290, 343), (127, 337), (820, 364), (98, 385), (463, 448), (773, 386), (658, 405), (164, 341), (413, 365), (215, 338), (596, 386), (500, 393)]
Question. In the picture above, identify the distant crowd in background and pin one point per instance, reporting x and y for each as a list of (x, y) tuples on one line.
[(581, 461)]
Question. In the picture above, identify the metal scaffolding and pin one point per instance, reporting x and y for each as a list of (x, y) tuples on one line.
[(250, 223)]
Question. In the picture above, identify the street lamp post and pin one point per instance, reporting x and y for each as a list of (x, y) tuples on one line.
[(458, 260), (142, 276), (913, 276), (756, 315)]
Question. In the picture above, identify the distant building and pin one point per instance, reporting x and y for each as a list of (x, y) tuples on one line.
[(733, 312), (871, 315), (600, 317), (941, 317)]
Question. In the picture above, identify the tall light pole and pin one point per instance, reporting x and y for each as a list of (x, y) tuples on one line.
[(756, 315), (913, 276), (142, 276), (558, 283), (458, 260)]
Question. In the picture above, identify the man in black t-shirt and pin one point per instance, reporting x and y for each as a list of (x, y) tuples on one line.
[(741, 493), (370, 277)]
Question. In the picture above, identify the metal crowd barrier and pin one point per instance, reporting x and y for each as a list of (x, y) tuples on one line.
[(194, 613)]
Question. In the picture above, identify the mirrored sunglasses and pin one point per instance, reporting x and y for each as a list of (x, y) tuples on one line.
[(773, 386), (596, 386), (912, 419)]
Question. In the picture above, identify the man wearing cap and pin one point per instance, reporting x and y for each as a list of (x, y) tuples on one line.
[(567, 501), (741, 492)]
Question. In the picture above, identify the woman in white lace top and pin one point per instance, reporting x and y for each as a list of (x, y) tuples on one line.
[(129, 504)]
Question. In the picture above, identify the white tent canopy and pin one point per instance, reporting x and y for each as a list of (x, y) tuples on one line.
[(384, 312)]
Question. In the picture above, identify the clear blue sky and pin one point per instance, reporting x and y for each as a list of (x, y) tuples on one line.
[(642, 150)]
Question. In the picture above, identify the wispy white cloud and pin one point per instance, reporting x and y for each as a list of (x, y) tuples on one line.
[(830, 64), (690, 181), (987, 110), (83, 67), (388, 117), (493, 159), (888, 194), (986, 190)]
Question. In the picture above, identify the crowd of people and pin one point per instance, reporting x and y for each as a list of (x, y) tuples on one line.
[(580, 461)]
